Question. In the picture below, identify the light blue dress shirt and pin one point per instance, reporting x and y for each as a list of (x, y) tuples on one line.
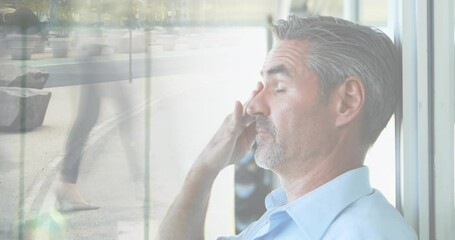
[(344, 208)]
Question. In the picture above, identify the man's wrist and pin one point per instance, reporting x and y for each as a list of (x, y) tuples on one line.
[(207, 171)]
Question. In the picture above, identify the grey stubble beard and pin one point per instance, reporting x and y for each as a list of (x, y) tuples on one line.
[(269, 154)]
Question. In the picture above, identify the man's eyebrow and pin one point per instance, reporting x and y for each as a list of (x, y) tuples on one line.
[(276, 70)]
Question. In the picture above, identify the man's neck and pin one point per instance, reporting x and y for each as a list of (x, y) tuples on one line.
[(300, 178)]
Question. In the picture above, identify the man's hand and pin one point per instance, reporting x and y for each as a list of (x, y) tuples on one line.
[(231, 142), (185, 218), (233, 139)]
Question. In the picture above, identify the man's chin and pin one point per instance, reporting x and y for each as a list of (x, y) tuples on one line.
[(263, 166), (264, 162), (268, 155)]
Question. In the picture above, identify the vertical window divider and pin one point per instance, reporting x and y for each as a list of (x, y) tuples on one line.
[(443, 79)]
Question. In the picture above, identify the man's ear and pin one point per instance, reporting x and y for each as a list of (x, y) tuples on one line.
[(349, 98)]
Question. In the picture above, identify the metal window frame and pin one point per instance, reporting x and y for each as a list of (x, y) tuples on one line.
[(414, 121), (428, 117), (443, 79)]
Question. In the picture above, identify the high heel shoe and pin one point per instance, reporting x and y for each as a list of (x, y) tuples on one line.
[(66, 204)]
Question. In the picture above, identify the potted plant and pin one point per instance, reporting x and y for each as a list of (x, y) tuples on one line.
[(61, 22), (60, 45)]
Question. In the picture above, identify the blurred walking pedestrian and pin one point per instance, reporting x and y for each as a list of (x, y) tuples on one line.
[(68, 196)]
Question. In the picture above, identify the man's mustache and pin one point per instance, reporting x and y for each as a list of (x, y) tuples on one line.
[(265, 124)]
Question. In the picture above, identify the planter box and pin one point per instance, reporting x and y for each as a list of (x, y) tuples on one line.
[(13, 76), (3, 47), (92, 46), (60, 46), (40, 46), (22, 108), (21, 46), (95, 49), (138, 43)]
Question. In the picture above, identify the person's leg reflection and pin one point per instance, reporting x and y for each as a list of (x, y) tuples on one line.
[(68, 196)]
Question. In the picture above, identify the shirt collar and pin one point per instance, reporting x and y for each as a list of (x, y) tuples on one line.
[(315, 211)]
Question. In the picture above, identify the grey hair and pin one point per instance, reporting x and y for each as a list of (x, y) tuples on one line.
[(338, 49)]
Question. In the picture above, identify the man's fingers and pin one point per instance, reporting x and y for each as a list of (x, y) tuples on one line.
[(259, 87), (240, 115), (238, 110)]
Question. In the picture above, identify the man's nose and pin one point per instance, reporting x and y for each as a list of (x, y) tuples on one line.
[(259, 103)]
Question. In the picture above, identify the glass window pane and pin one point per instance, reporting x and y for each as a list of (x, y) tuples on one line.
[(373, 13), (201, 57)]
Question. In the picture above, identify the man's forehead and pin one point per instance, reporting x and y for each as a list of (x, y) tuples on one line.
[(286, 55), (276, 69)]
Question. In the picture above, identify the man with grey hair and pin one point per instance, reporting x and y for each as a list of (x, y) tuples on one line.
[(330, 87)]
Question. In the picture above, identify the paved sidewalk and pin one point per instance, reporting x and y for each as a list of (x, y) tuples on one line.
[(39, 151)]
